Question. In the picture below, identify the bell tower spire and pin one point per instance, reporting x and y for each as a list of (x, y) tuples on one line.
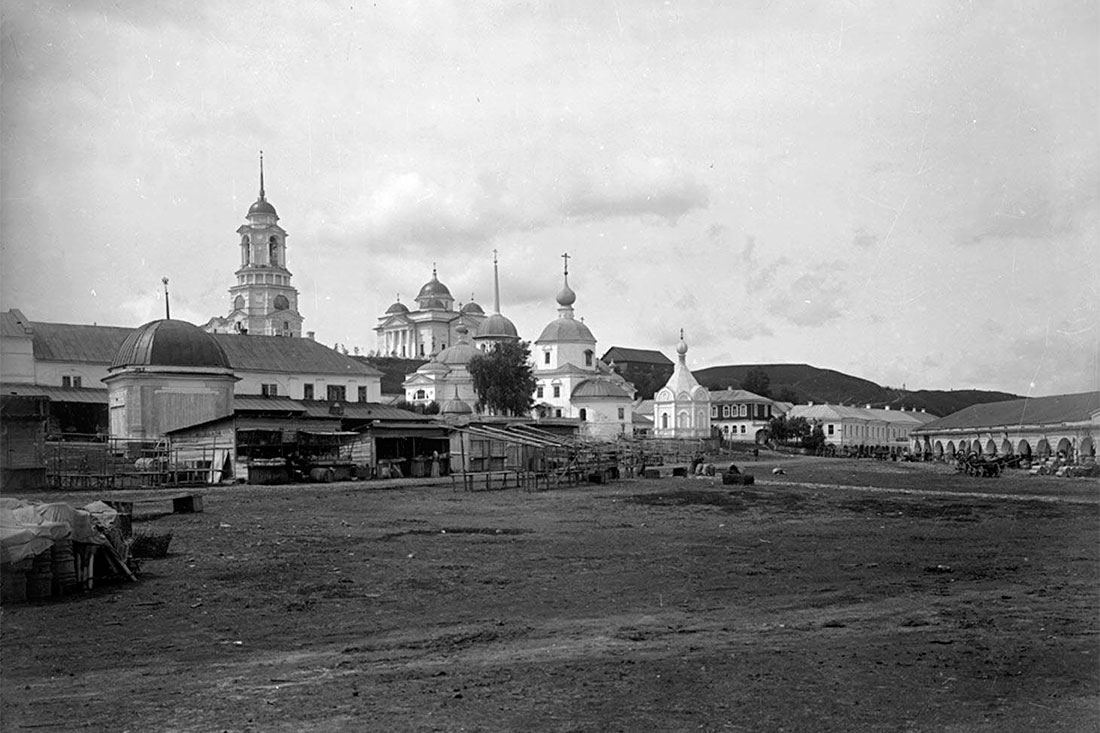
[(263, 197)]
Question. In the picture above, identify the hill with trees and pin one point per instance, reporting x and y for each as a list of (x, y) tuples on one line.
[(802, 383), (394, 370)]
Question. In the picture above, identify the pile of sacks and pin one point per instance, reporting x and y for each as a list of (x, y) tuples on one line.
[(53, 549)]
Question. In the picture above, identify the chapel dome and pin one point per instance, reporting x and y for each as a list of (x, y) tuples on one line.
[(262, 206), (567, 329), (434, 289), (460, 354), (455, 406), (472, 307), (497, 326), (170, 344), (397, 307), (435, 304), (598, 388)]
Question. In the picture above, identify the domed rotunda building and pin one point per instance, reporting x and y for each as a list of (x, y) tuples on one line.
[(167, 374)]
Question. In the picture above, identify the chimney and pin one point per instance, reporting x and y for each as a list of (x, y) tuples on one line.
[(310, 335)]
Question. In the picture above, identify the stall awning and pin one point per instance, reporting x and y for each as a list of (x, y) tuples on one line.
[(407, 429), (83, 395)]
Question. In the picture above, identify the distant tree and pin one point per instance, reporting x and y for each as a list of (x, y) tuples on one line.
[(757, 382), (432, 408), (815, 441), (787, 394), (503, 380)]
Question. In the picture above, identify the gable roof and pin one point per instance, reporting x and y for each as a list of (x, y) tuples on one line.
[(737, 395), (98, 345), (81, 343), (637, 356), (1054, 410), (14, 324), (292, 355)]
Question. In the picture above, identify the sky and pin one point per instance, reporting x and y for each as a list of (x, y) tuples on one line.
[(906, 192)]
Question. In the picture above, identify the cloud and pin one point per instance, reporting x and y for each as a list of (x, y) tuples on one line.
[(812, 300), (636, 187)]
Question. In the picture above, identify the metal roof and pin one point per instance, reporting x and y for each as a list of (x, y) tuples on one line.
[(253, 403), (289, 355), (277, 354), (637, 356), (58, 394), (737, 395), (1054, 410), (80, 343), (360, 411)]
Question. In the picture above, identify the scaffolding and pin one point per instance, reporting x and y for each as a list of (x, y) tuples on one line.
[(95, 462)]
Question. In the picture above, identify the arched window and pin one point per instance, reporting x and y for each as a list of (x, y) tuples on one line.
[(664, 421), (246, 249), (588, 357), (583, 414), (273, 251)]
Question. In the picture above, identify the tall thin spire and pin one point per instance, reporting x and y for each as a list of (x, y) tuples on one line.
[(262, 195), (496, 285), (167, 306)]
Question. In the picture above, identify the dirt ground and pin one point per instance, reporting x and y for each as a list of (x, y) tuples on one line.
[(844, 595)]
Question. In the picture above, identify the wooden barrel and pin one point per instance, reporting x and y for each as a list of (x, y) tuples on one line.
[(63, 565), (13, 582), (40, 577), (321, 475)]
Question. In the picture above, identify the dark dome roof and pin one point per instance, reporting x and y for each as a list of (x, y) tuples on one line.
[(397, 308), (435, 304), (598, 388), (567, 329), (434, 289), (262, 206), (170, 343), (496, 326), (472, 307)]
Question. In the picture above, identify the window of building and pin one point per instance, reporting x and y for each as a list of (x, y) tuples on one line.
[(830, 429), (622, 413), (420, 394), (588, 358), (583, 414), (307, 391), (422, 349), (76, 382), (538, 392), (546, 357), (664, 421), (742, 429), (725, 410), (337, 393), (66, 382), (557, 413), (269, 390), (362, 394), (557, 390), (714, 410), (743, 410)]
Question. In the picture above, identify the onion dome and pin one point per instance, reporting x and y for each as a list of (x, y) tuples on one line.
[(566, 297), (473, 308), (598, 389), (170, 344), (497, 326), (455, 406), (434, 289)]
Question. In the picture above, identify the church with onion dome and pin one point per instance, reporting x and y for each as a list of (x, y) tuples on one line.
[(571, 382), (681, 409), (263, 302)]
